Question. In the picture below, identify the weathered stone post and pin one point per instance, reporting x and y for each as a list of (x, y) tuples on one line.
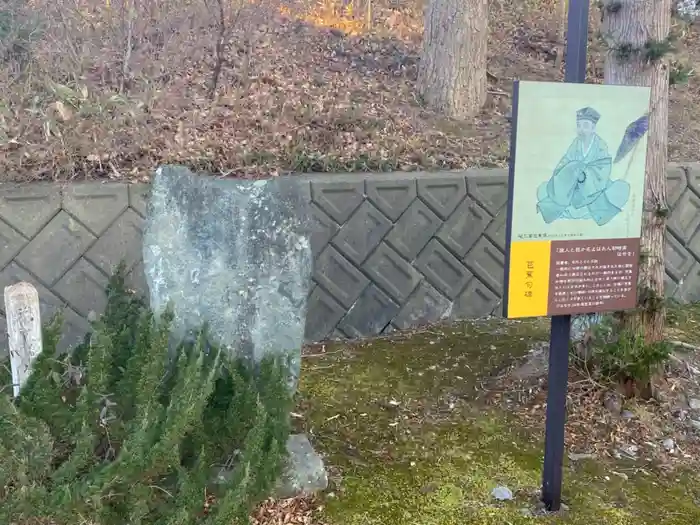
[(24, 331)]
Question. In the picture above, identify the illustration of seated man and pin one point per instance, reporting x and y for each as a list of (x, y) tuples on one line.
[(580, 187)]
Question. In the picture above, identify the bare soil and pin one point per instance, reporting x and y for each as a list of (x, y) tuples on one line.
[(303, 87)]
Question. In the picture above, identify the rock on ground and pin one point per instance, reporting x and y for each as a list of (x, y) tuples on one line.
[(502, 493), (305, 473)]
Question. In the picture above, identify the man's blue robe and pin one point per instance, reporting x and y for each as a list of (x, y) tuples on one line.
[(580, 187)]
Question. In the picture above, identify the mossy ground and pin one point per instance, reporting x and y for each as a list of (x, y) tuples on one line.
[(408, 441), (683, 323)]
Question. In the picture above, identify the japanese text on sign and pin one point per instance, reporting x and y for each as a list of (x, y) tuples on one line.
[(593, 276)]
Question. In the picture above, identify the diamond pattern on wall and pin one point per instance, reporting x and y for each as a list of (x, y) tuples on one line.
[(339, 277), (389, 252), (138, 198), (83, 287), (414, 229), (678, 259), (370, 314), (489, 188), (693, 173), (425, 306), (475, 301), (120, 243), (27, 208), (442, 269), (496, 231), (392, 272), (338, 199), (466, 226), (11, 242), (323, 314), (83, 199), (670, 287), (56, 248), (392, 196), (362, 233), (676, 183), (689, 290), (486, 261), (441, 193), (323, 228), (685, 217)]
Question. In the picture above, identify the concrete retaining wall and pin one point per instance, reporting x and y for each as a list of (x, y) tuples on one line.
[(391, 250)]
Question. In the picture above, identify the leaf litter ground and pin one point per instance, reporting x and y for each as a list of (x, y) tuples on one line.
[(317, 92)]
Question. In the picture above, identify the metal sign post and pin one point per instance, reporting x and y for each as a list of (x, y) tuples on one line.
[(575, 71)]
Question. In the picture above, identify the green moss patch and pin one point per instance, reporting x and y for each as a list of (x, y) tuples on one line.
[(409, 442)]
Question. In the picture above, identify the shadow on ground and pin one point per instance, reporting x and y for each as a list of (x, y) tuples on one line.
[(408, 439)]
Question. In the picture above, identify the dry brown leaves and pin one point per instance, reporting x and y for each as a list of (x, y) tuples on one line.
[(592, 429), (304, 87), (307, 97), (295, 511)]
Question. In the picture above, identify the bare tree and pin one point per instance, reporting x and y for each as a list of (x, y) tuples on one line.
[(561, 33), (637, 38), (452, 75), (222, 23), (229, 17)]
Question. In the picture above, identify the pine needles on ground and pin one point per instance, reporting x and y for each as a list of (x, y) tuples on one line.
[(126, 429)]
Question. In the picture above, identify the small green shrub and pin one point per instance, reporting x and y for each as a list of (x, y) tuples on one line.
[(125, 429), (629, 357), (614, 353)]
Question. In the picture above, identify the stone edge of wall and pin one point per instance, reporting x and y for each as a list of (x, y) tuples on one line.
[(686, 167)]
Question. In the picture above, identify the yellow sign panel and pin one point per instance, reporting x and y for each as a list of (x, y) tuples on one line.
[(528, 285)]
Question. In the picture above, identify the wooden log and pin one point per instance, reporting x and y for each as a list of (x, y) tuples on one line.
[(23, 329)]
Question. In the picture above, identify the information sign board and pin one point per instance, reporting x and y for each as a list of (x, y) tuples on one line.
[(576, 194)]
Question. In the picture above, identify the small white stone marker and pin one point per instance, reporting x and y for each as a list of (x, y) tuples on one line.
[(23, 330)]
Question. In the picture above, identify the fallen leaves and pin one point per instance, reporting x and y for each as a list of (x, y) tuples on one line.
[(295, 511), (601, 424), (294, 96), (306, 86), (63, 111)]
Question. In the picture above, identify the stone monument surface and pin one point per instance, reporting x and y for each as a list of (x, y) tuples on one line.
[(235, 254)]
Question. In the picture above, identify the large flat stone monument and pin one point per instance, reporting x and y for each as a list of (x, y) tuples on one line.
[(236, 255)]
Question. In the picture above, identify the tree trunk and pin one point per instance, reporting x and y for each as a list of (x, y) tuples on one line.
[(561, 33), (630, 24), (452, 74)]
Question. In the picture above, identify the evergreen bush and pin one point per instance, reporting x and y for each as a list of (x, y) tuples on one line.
[(611, 352), (126, 430)]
